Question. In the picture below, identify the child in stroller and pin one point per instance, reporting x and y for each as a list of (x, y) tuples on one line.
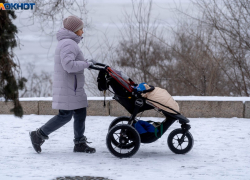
[(123, 140)]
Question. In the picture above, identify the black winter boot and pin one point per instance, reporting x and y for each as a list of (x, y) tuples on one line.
[(37, 139), (81, 146)]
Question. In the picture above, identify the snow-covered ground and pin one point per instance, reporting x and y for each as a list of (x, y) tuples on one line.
[(221, 151)]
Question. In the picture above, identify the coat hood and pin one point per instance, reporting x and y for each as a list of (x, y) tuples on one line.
[(67, 34)]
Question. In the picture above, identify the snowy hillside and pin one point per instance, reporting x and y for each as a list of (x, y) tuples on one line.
[(221, 151)]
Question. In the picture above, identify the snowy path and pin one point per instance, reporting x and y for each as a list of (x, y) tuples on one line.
[(221, 151)]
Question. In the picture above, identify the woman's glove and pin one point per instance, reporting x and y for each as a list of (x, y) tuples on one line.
[(91, 61)]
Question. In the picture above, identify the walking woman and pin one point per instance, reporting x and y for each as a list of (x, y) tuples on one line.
[(69, 96)]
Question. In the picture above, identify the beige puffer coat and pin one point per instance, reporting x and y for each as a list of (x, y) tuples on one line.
[(162, 96)]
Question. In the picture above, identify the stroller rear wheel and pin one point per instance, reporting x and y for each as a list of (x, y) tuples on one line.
[(120, 120), (180, 143), (124, 135)]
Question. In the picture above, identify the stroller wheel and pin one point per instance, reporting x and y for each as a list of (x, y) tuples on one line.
[(178, 143), (124, 135), (120, 120)]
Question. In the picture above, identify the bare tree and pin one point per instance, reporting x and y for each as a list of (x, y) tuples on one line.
[(229, 20), (138, 50), (38, 85), (195, 71), (207, 55)]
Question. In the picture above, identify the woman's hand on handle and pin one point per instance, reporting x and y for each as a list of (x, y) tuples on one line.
[(92, 61), (95, 65)]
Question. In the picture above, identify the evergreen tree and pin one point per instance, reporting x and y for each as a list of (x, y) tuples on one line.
[(10, 82)]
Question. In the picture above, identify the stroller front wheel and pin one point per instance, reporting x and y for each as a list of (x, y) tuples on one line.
[(124, 135), (180, 143)]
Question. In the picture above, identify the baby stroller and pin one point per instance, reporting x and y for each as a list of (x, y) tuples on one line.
[(123, 140)]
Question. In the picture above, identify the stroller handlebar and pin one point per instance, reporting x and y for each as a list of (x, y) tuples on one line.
[(100, 64), (98, 68), (95, 68)]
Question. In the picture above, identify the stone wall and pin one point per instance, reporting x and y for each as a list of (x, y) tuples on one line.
[(191, 109), (29, 107), (247, 109), (95, 108), (208, 109)]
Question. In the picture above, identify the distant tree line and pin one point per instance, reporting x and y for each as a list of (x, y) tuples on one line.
[(206, 55)]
